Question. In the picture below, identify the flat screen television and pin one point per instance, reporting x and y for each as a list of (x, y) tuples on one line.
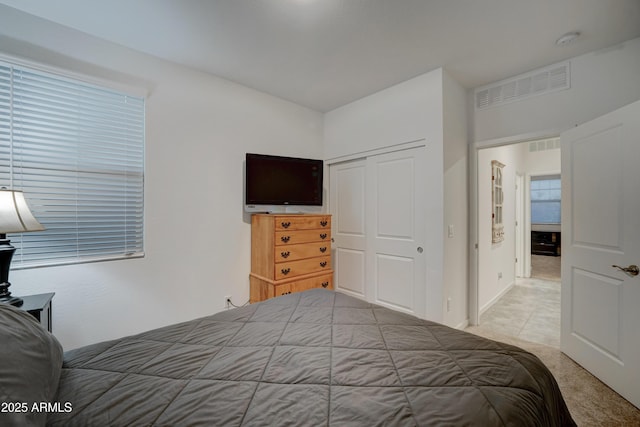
[(274, 182)]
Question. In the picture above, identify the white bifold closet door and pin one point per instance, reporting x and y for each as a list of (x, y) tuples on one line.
[(378, 205)]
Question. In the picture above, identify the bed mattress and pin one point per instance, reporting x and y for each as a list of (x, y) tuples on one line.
[(313, 358)]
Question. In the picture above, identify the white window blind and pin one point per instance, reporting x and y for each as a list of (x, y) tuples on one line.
[(77, 152), (546, 199)]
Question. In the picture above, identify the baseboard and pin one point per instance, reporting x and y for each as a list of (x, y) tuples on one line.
[(462, 326), (495, 299)]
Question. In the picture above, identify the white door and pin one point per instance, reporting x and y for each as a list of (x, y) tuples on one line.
[(378, 206), (396, 203), (600, 229), (347, 183)]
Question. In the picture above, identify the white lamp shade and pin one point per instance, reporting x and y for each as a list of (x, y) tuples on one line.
[(15, 216)]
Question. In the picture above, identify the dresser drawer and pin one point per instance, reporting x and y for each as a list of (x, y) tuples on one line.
[(302, 251), (284, 238), (302, 222), (323, 281), (305, 266)]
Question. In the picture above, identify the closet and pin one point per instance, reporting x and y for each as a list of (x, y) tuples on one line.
[(379, 210)]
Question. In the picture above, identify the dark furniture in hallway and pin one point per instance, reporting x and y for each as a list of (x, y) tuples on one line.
[(545, 243)]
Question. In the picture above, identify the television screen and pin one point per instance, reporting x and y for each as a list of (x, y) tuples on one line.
[(277, 180)]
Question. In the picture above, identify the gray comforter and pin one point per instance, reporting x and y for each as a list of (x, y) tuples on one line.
[(309, 359)]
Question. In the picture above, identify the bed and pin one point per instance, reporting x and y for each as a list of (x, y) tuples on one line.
[(312, 358)]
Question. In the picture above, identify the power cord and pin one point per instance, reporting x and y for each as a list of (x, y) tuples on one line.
[(236, 306)]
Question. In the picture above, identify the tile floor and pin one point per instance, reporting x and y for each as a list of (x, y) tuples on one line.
[(530, 311)]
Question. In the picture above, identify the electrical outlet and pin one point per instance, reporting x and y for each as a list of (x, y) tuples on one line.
[(448, 304), (227, 301), (500, 275)]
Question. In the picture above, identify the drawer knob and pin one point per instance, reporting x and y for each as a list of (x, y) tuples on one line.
[(323, 235), (286, 293), (325, 284), (285, 239), (323, 249), (285, 254), (285, 224), (324, 223), (285, 271), (323, 264)]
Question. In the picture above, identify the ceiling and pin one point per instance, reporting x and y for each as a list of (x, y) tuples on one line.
[(326, 53)]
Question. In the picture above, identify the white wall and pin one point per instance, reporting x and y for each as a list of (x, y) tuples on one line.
[(545, 162), (407, 112), (197, 237), (456, 211), (601, 82), (497, 258)]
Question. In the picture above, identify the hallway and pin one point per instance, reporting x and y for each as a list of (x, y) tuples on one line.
[(530, 311)]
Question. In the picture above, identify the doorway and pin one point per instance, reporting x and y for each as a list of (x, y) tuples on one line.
[(546, 238), (518, 294)]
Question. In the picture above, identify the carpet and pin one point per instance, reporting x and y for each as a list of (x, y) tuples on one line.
[(590, 401), (545, 267)]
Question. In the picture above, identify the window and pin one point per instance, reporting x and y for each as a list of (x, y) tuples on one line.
[(545, 199), (77, 152)]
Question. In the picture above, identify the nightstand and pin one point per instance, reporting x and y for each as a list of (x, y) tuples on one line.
[(39, 306)]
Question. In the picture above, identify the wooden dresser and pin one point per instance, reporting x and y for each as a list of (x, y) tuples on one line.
[(289, 253)]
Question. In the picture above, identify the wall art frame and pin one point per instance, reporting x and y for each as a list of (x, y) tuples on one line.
[(497, 202)]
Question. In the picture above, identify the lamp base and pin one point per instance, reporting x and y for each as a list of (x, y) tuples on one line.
[(6, 253), (11, 301)]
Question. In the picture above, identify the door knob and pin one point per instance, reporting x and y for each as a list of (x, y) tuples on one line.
[(420, 249), (632, 270)]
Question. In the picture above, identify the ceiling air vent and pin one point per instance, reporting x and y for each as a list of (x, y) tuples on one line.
[(544, 144), (544, 80)]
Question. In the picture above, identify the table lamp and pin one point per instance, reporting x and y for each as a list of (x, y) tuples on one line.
[(15, 217)]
